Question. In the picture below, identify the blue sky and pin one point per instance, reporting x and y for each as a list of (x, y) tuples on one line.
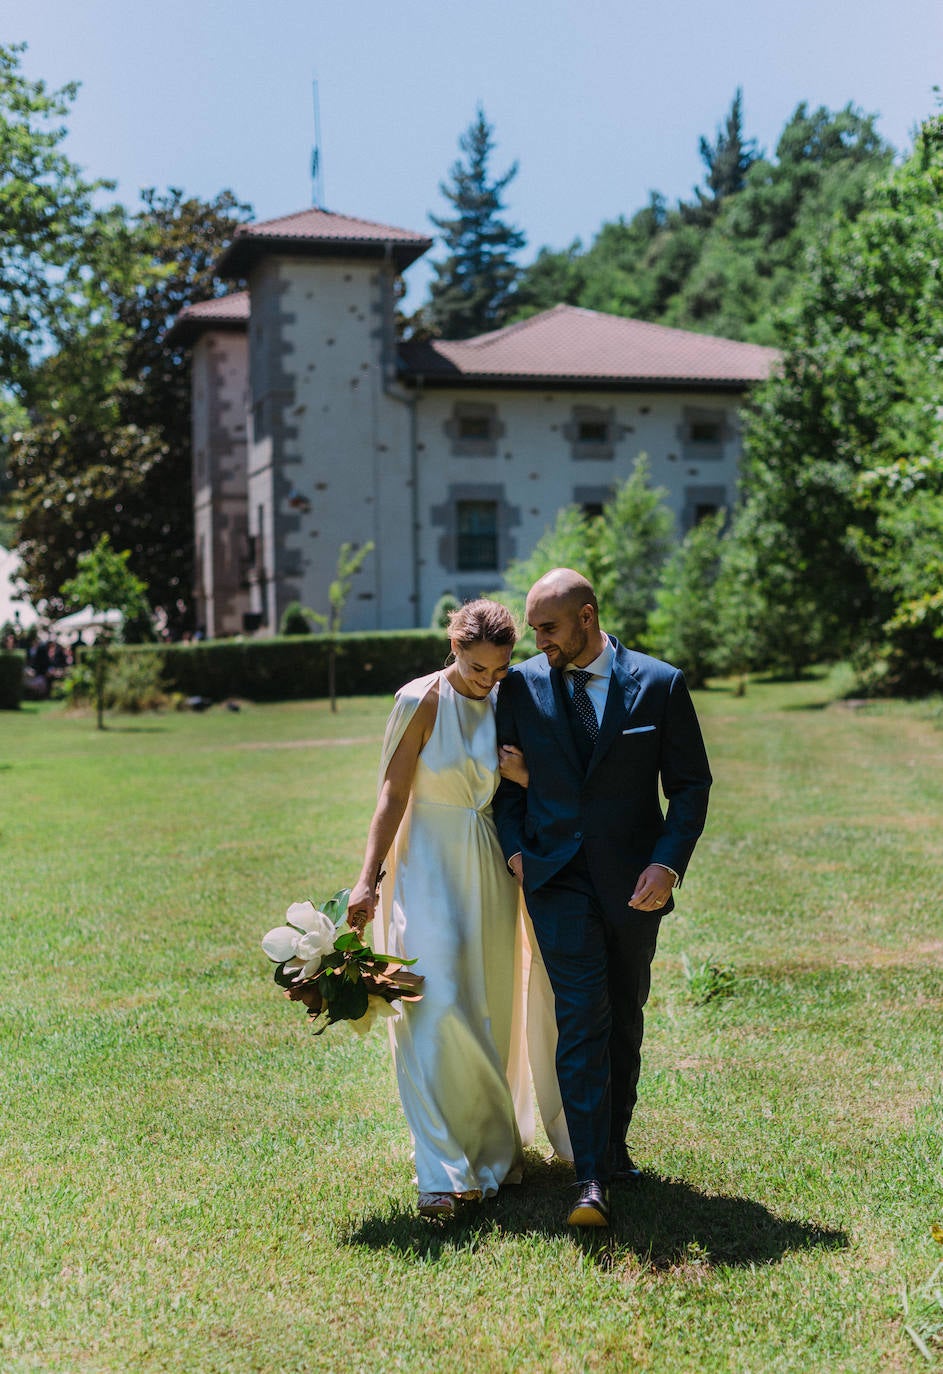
[(599, 101)]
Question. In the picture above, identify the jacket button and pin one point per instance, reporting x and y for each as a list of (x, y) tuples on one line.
[(577, 834)]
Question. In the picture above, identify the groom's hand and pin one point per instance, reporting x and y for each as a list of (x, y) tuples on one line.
[(516, 865), (652, 889)]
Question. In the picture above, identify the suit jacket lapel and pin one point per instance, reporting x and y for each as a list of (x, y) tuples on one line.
[(623, 689), (549, 689)]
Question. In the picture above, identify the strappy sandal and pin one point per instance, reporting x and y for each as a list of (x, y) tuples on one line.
[(439, 1204)]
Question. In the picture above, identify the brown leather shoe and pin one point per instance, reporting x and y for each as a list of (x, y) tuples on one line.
[(592, 1205)]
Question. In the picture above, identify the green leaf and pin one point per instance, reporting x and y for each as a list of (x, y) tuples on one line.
[(340, 900), (347, 1002)]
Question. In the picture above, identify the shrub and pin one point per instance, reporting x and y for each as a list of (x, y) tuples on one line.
[(12, 665), (443, 608), (296, 620), (133, 683), (292, 667)]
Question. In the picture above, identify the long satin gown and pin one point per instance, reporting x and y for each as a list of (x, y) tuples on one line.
[(448, 900)]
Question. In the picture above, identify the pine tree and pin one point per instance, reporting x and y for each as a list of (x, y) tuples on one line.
[(681, 627), (727, 159), (474, 287)]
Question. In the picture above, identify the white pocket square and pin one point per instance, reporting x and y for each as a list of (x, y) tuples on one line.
[(638, 730)]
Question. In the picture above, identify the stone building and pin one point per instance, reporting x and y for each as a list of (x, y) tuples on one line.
[(313, 425)]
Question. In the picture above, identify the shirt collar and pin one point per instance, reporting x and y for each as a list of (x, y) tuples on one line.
[(601, 666)]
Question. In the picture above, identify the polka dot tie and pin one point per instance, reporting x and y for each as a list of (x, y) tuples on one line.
[(584, 707)]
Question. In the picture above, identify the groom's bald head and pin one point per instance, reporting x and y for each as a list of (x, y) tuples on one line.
[(562, 610), (568, 588)]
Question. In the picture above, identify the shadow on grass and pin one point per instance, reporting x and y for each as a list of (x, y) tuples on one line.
[(665, 1223), (846, 703), (135, 729)]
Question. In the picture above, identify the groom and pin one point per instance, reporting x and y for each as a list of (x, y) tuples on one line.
[(600, 726)]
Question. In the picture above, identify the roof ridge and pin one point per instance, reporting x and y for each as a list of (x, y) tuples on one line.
[(227, 298), (482, 340), (331, 214)]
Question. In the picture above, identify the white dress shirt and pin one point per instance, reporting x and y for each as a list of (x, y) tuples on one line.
[(597, 686)]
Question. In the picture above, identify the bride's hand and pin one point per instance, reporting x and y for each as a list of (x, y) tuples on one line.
[(361, 905), (512, 766)]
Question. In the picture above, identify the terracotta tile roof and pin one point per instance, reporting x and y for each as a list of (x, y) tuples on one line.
[(225, 312), (320, 233), (569, 346)]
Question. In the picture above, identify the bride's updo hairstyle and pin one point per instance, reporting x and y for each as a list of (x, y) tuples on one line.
[(482, 621)]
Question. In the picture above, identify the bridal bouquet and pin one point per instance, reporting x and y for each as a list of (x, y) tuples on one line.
[(333, 971)]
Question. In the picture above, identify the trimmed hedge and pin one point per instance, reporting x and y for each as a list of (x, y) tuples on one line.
[(295, 666), (12, 665)]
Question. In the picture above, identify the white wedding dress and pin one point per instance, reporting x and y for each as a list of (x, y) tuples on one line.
[(449, 901)]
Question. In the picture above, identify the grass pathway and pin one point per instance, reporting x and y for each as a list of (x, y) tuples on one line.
[(189, 1183)]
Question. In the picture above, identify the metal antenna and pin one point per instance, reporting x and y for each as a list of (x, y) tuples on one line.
[(317, 184)]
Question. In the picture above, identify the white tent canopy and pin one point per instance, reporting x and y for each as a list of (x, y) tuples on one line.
[(86, 619)]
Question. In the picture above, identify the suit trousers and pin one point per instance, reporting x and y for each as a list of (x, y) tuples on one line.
[(599, 967)]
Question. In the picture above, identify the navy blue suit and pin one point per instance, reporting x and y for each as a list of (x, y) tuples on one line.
[(587, 825)]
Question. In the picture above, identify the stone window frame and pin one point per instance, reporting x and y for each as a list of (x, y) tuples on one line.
[(698, 496), (481, 413), (445, 517), (467, 540), (583, 449), (591, 496), (694, 449)]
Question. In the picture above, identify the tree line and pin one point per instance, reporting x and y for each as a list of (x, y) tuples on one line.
[(824, 247), (831, 252)]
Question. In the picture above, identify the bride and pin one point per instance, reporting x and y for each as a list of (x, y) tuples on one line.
[(448, 898)]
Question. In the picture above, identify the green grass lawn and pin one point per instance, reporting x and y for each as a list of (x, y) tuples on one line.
[(191, 1183)]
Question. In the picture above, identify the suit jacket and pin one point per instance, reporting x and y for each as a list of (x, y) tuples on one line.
[(649, 733)]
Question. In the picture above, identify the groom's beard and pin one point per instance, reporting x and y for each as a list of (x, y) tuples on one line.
[(559, 655)]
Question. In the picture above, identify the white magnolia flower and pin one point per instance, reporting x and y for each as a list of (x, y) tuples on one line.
[(279, 944), (307, 937), (305, 916), (317, 941)]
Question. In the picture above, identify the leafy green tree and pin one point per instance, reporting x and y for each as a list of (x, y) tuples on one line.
[(904, 555), (473, 290), (755, 247), (738, 607), (49, 225), (443, 608), (621, 552), (296, 619), (567, 543), (555, 277), (107, 444), (105, 582), (631, 541), (350, 560), (681, 627), (727, 160), (727, 262), (842, 447)]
